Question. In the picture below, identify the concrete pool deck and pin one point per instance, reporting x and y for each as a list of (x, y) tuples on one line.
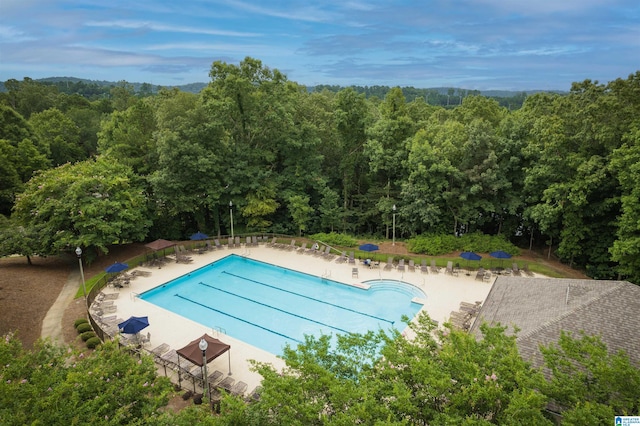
[(443, 294)]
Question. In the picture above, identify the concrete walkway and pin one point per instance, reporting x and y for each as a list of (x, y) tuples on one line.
[(52, 323)]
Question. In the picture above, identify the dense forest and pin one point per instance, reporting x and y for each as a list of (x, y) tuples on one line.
[(561, 171)]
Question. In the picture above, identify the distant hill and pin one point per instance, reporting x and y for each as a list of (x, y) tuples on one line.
[(137, 87)]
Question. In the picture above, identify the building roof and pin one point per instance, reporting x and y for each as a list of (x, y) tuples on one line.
[(542, 307)]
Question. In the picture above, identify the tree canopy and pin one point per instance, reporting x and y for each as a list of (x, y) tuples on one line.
[(558, 172)]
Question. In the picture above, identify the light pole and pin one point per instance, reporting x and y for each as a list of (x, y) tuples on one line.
[(394, 225), (79, 254), (203, 345), (231, 214)]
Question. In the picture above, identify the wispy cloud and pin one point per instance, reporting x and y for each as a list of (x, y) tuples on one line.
[(155, 26)]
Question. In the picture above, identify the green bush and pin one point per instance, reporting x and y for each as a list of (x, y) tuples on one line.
[(439, 244), (93, 342), (87, 335), (82, 328), (335, 239), (79, 321)]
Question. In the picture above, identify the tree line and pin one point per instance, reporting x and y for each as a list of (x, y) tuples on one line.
[(561, 171)]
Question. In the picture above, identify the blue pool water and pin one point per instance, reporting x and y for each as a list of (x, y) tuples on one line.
[(267, 306)]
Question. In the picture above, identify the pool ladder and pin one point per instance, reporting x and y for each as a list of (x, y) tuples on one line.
[(327, 274), (218, 330)]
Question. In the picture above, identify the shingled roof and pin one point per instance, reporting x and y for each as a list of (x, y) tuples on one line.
[(542, 307)]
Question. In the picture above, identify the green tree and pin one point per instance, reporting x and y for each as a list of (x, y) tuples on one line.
[(91, 204), (300, 211), (49, 385), (58, 135)]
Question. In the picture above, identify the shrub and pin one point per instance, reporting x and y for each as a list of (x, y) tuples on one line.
[(87, 335), (84, 327), (93, 342), (79, 321), (438, 244), (335, 239)]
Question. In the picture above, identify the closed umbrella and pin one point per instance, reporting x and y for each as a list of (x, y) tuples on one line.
[(116, 267)]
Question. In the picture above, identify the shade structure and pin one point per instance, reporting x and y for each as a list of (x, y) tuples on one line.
[(368, 247), (133, 325), (499, 254), (160, 244), (198, 236), (469, 255), (215, 348), (116, 267)]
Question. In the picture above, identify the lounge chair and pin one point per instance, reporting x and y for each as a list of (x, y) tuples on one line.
[(480, 274), (291, 246), (342, 258), (400, 266), (237, 242), (239, 388), (450, 269), (526, 270), (434, 268), (327, 254), (302, 248), (248, 242), (216, 242), (254, 241), (230, 243), (423, 267), (412, 266), (352, 258), (273, 242), (515, 269), (389, 265), (319, 251)]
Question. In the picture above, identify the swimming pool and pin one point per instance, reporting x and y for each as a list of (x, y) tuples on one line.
[(267, 306)]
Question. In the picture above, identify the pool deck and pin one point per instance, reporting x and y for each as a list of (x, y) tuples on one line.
[(444, 293)]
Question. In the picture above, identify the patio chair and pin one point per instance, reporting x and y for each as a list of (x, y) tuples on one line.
[(515, 269), (412, 266), (389, 265), (354, 272), (526, 270), (434, 268), (302, 248), (423, 267), (400, 266)]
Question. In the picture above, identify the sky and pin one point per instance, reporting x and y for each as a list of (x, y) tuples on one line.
[(469, 44)]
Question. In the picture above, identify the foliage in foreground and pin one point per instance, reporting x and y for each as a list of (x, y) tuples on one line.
[(438, 377), (53, 385)]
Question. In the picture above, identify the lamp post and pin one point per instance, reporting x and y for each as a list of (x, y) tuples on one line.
[(203, 345), (231, 214), (394, 225), (79, 254)]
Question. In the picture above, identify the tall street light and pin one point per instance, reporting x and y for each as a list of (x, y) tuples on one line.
[(231, 214), (203, 345), (79, 254), (394, 225)]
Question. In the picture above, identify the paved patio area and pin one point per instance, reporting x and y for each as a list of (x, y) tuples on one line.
[(444, 293)]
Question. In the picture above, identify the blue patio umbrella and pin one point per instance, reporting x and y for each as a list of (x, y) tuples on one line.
[(199, 236), (469, 255), (116, 267), (499, 254), (133, 325), (368, 247)]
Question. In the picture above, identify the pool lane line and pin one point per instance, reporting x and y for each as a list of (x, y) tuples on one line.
[(237, 318), (308, 297), (273, 307)]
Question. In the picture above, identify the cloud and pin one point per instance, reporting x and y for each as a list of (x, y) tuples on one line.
[(154, 26)]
